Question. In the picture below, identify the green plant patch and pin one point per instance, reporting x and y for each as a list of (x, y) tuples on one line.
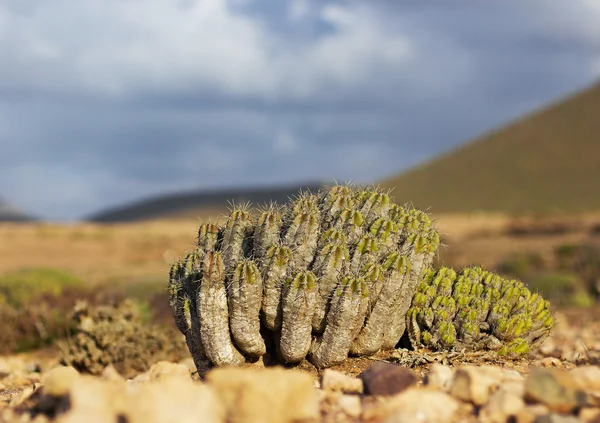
[(17, 288)]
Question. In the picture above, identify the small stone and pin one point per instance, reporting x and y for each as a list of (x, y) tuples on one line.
[(265, 395), (555, 388), (439, 377), (58, 381), (557, 418), (589, 415), (588, 377), (332, 380), (111, 374), (530, 413), (501, 406), (21, 397), (414, 405), (350, 405), (549, 362), (475, 384), (163, 369), (387, 379)]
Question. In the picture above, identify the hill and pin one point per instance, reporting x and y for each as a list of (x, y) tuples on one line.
[(199, 204), (546, 162), (9, 213)]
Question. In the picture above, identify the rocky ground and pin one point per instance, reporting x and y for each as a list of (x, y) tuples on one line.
[(558, 383)]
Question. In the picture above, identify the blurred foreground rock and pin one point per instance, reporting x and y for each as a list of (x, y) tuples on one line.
[(168, 392)]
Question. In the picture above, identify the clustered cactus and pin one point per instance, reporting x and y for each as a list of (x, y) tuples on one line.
[(477, 309), (334, 274)]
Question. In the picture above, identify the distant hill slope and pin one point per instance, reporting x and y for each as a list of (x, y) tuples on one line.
[(8, 213), (191, 204), (548, 161)]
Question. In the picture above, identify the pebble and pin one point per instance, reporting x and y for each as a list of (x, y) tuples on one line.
[(501, 406), (418, 405), (265, 395), (58, 381), (163, 369), (557, 418), (588, 377), (351, 405), (439, 377), (387, 379), (332, 380), (529, 413), (555, 388), (589, 415), (475, 384)]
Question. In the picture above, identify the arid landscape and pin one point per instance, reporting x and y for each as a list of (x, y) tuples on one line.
[(87, 329), (132, 260)]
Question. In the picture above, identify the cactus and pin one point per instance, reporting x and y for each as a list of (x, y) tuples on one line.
[(479, 310), (342, 272)]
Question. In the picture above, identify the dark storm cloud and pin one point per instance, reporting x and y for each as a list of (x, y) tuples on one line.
[(104, 102)]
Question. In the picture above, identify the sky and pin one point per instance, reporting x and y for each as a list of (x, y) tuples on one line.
[(105, 102)]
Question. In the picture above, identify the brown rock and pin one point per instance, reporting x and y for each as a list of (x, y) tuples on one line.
[(439, 377), (414, 405), (265, 395), (387, 379), (475, 384), (555, 388), (332, 380)]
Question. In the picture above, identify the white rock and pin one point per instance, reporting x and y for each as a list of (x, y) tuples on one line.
[(500, 406), (418, 405), (439, 377), (588, 377), (475, 384), (351, 405), (332, 380)]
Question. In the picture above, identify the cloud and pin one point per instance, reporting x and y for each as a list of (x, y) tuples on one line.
[(107, 101)]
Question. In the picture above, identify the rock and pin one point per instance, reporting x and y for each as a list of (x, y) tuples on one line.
[(21, 397), (501, 406), (58, 381), (387, 379), (111, 374), (557, 418), (589, 415), (337, 407), (439, 377), (265, 395), (94, 400), (549, 362), (529, 413), (414, 405), (332, 380), (555, 388), (350, 405), (588, 377), (475, 384), (163, 369)]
